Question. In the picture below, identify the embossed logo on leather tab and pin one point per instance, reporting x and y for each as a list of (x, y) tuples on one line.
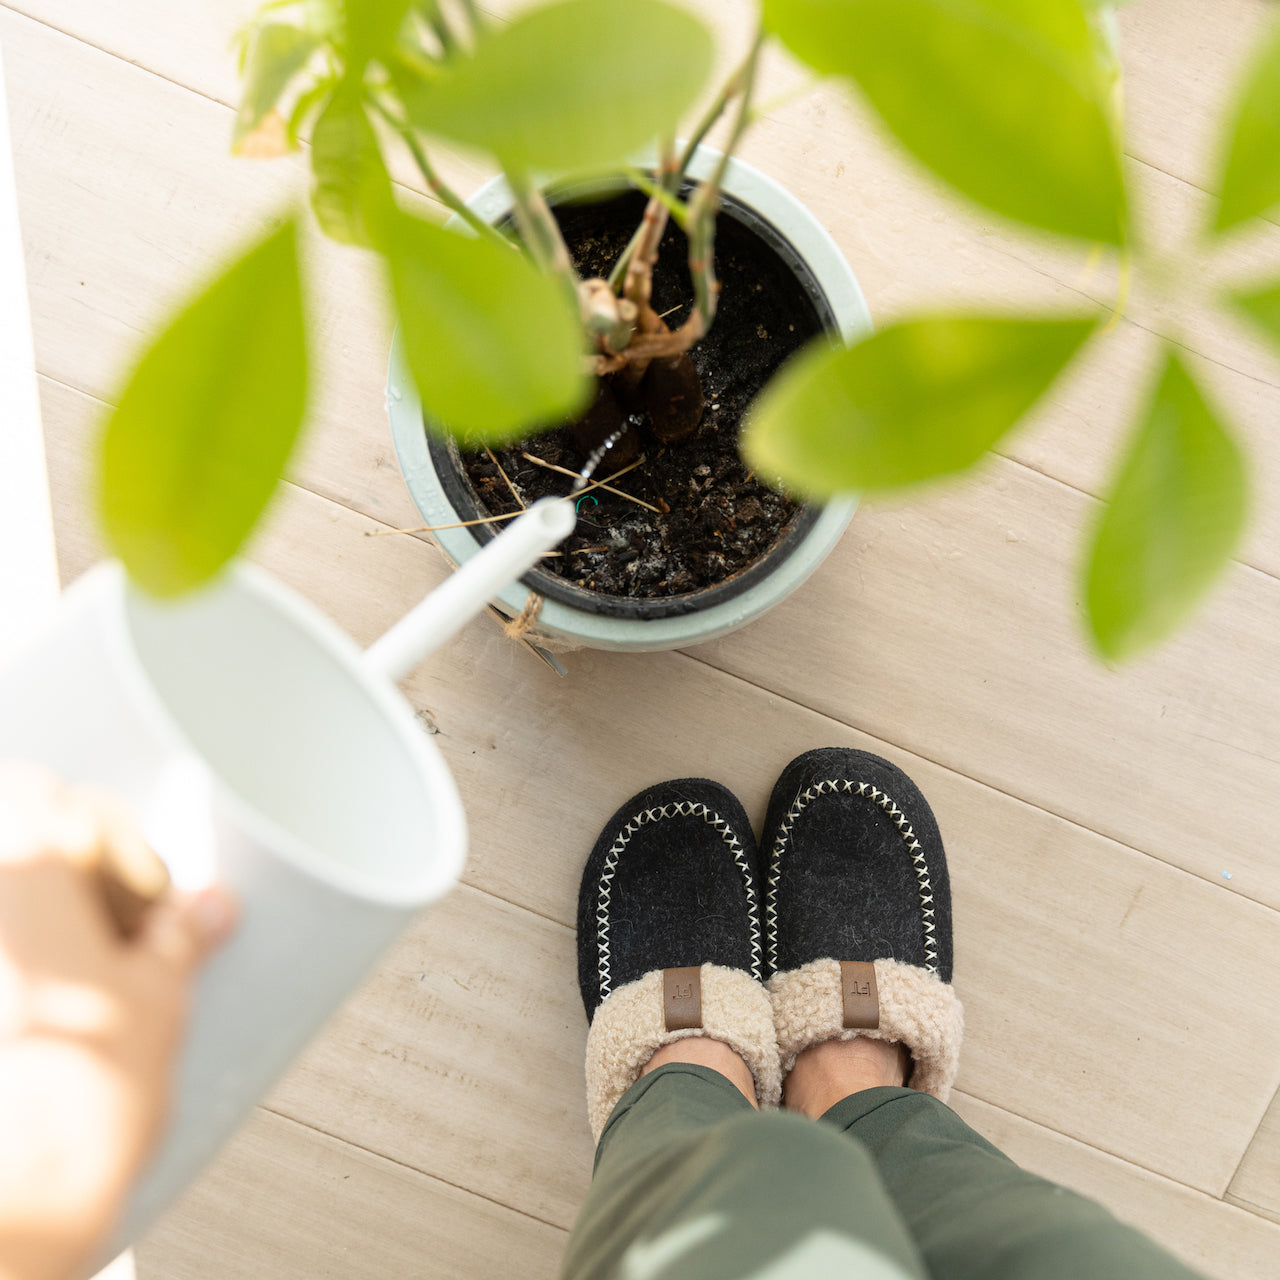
[(861, 999), (682, 998)]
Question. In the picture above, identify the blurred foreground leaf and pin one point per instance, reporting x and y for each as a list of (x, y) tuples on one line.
[(1172, 521), (1262, 306), (495, 346), (1007, 100), (277, 54), (352, 189), (371, 29), (917, 400), (574, 85), (1250, 181), (205, 425)]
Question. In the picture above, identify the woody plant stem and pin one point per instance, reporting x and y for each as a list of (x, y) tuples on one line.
[(651, 343), (435, 184), (742, 82)]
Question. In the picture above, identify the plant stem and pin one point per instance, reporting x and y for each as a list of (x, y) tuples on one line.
[(703, 208), (637, 284), (655, 191), (435, 184), (474, 17), (706, 204), (540, 230), (444, 34), (671, 180), (732, 87)]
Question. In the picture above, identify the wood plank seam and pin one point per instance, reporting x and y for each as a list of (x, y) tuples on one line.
[(1236, 1202), (1129, 1164), (1254, 1210), (400, 1164), (971, 1094), (693, 656), (1272, 220), (326, 502), (1000, 248), (177, 84), (782, 123), (1089, 1146), (965, 1093), (1014, 257), (1244, 1155), (87, 44), (501, 18)]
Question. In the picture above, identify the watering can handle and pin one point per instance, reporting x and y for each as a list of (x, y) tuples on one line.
[(461, 596)]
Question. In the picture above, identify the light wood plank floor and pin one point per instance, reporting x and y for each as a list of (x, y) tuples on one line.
[(1111, 833)]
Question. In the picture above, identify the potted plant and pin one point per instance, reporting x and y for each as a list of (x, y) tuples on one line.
[(505, 345), (682, 542)]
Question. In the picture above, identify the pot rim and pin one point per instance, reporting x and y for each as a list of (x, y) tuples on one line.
[(795, 232)]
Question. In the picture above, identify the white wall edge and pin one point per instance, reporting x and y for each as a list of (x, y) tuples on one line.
[(28, 561)]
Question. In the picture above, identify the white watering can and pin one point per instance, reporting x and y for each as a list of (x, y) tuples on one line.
[(257, 746), (260, 747)]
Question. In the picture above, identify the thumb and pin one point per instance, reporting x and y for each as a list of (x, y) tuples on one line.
[(183, 929)]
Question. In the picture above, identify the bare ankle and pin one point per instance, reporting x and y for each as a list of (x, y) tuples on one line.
[(826, 1073), (703, 1051)]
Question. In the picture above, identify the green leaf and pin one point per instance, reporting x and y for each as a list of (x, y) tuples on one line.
[(322, 16), (352, 190), (1262, 306), (917, 400), (307, 104), (372, 27), (494, 345), (1007, 100), (278, 53), (205, 425), (574, 85), (1250, 181), (1173, 519)]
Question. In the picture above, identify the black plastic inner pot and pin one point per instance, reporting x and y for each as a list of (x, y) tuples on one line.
[(447, 461)]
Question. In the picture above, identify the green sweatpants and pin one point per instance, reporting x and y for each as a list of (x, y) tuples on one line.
[(692, 1184)]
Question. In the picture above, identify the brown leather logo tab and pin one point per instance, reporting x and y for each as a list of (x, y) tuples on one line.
[(861, 1000), (682, 998)]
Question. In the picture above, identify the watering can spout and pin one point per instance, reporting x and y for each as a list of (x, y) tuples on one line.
[(460, 597)]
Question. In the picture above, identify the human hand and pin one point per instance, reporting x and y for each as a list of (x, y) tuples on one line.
[(90, 1019)]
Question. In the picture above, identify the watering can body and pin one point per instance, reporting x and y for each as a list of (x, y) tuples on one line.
[(258, 748)]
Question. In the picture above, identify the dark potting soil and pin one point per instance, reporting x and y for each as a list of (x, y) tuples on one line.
[(714, 518)]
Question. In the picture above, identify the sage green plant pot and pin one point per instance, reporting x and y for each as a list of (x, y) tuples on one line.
[(564, 624)]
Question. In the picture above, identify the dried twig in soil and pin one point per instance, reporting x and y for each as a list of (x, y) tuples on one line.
[(515, 493), (435, 528), (511, 515), (601, 484)]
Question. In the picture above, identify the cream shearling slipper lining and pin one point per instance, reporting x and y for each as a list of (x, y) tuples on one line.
[(630, 1027), (917, 1009)]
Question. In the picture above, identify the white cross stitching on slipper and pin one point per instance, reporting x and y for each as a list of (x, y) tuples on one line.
[(913, 847), (680, 809)]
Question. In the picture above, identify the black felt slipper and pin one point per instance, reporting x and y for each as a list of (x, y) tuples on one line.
[(669, 938), (858, 913)]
